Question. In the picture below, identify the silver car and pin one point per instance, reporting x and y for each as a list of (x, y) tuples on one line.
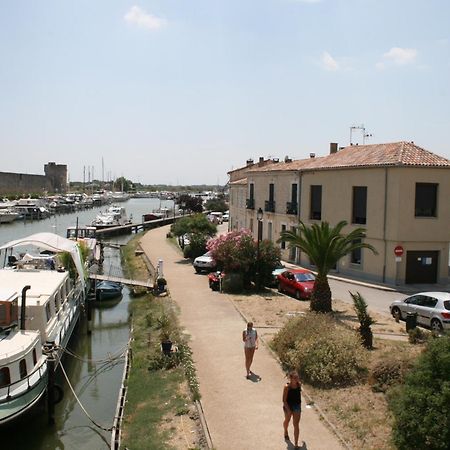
[(432, 309), (204, 263)]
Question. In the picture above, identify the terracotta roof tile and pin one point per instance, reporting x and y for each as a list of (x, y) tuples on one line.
[(373, 155), (392, 154), (241, 181)]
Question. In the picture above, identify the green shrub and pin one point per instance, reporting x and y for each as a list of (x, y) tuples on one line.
[(421, 407), (233, 283), (388, 372), (417, 336), (324, 353)]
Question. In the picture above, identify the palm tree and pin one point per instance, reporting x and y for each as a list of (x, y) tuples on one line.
[(324, 245)]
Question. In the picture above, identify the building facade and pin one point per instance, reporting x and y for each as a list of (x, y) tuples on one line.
[(398, 192)]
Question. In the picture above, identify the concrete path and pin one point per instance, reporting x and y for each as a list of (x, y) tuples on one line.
[(240, 413)]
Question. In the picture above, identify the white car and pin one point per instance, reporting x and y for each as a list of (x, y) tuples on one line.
[(204, 263), (432, 309), (226, 217)]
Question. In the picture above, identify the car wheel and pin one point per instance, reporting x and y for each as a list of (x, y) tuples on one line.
[(396, 314), (436, 325), (280, 289), (197, 270), (298, 295)]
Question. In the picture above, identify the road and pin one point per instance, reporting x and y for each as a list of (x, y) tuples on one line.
[(377, 299)]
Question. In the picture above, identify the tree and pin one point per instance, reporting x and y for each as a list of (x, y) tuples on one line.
[(216, 204), (365, 321), (190, 203), (325, 246), (421, 407), (196, 224)]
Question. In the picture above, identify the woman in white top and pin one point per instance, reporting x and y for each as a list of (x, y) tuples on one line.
[(250, 338)]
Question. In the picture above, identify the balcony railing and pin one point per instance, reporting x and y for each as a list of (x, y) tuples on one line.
[(250, 204), (269, 206), (292, 208)]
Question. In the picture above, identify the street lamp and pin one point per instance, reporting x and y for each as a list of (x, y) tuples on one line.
[(259, 217)]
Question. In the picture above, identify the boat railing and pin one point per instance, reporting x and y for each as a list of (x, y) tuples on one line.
[(31, 380)]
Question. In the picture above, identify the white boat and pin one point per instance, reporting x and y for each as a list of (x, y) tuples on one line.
[(114, 216), (8, 215), (49, 310)]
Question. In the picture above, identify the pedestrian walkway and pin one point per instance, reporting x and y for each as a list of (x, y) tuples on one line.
[(241, 414)]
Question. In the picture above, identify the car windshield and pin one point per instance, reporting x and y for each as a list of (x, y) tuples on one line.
[(305, 277), (447, 304)]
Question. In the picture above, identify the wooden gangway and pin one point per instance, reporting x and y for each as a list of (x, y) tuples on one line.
[(127, 281)]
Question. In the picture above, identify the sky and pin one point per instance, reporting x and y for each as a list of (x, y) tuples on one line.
[(181, 92)]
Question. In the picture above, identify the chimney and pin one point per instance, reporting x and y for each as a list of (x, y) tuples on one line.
[(333, 147), (275, 160), (23, 308), (261, 159), (287, 159), (312, 155), (249, 162)]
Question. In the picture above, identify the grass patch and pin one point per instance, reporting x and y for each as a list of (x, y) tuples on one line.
[(157, 384)]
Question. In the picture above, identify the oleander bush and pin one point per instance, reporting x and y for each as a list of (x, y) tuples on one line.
[(325, 353), (421, 406)]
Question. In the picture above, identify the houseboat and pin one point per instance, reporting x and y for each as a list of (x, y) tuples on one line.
[(48, 311), (23, 366)]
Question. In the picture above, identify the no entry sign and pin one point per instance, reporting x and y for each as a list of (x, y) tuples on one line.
[(398, 250)]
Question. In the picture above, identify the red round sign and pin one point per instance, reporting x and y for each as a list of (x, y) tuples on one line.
[(398, 250)]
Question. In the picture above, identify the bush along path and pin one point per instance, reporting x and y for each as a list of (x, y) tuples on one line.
[(160, 410)]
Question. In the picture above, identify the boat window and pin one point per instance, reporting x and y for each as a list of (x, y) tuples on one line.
[(57, 301), (62, 294), (23, 369), (5, 378), (47, 311), (3, 314), (34, 357)]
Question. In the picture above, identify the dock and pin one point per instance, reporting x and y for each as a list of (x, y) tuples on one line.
[(127, 281), (134, 227)]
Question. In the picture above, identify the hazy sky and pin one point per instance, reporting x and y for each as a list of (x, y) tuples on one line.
[(181, 91)]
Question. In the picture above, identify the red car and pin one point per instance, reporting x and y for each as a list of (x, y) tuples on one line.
[(297, 282)]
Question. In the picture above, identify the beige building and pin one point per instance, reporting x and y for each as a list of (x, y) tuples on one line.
[(398, 192)]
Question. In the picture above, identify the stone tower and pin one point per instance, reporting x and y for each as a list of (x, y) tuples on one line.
[(57, 175)]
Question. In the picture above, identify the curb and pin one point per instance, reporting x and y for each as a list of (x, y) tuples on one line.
[(304, 392)]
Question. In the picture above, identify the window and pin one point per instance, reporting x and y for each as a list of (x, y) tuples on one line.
[(426, 200), (252, 191), (359, 214), (294, 190), (283, 243), (47, 311), (5, 377), (316, 203), (356, 253), (271, 192), (23, 369)]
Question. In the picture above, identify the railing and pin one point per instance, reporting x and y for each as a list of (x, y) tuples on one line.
[(41, 370), (269, 206), (250, 203), (292, 208)]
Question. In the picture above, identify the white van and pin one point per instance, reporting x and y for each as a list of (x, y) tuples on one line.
[(215, 217)]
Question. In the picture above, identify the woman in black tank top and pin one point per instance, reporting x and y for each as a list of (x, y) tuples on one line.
[(292, 406)]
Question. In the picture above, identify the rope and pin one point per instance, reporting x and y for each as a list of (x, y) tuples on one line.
[(81, 406), (111, 357)]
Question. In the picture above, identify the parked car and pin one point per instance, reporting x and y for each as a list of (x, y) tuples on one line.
[(297, 282), (204, 263), (279, 269), (215, 217), (432, 309), (226, 216)]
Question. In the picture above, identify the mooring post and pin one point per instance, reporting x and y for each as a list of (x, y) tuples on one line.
[(51, 387), (89, 313)]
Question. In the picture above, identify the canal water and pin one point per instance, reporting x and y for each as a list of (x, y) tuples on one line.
[(95, 371)]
